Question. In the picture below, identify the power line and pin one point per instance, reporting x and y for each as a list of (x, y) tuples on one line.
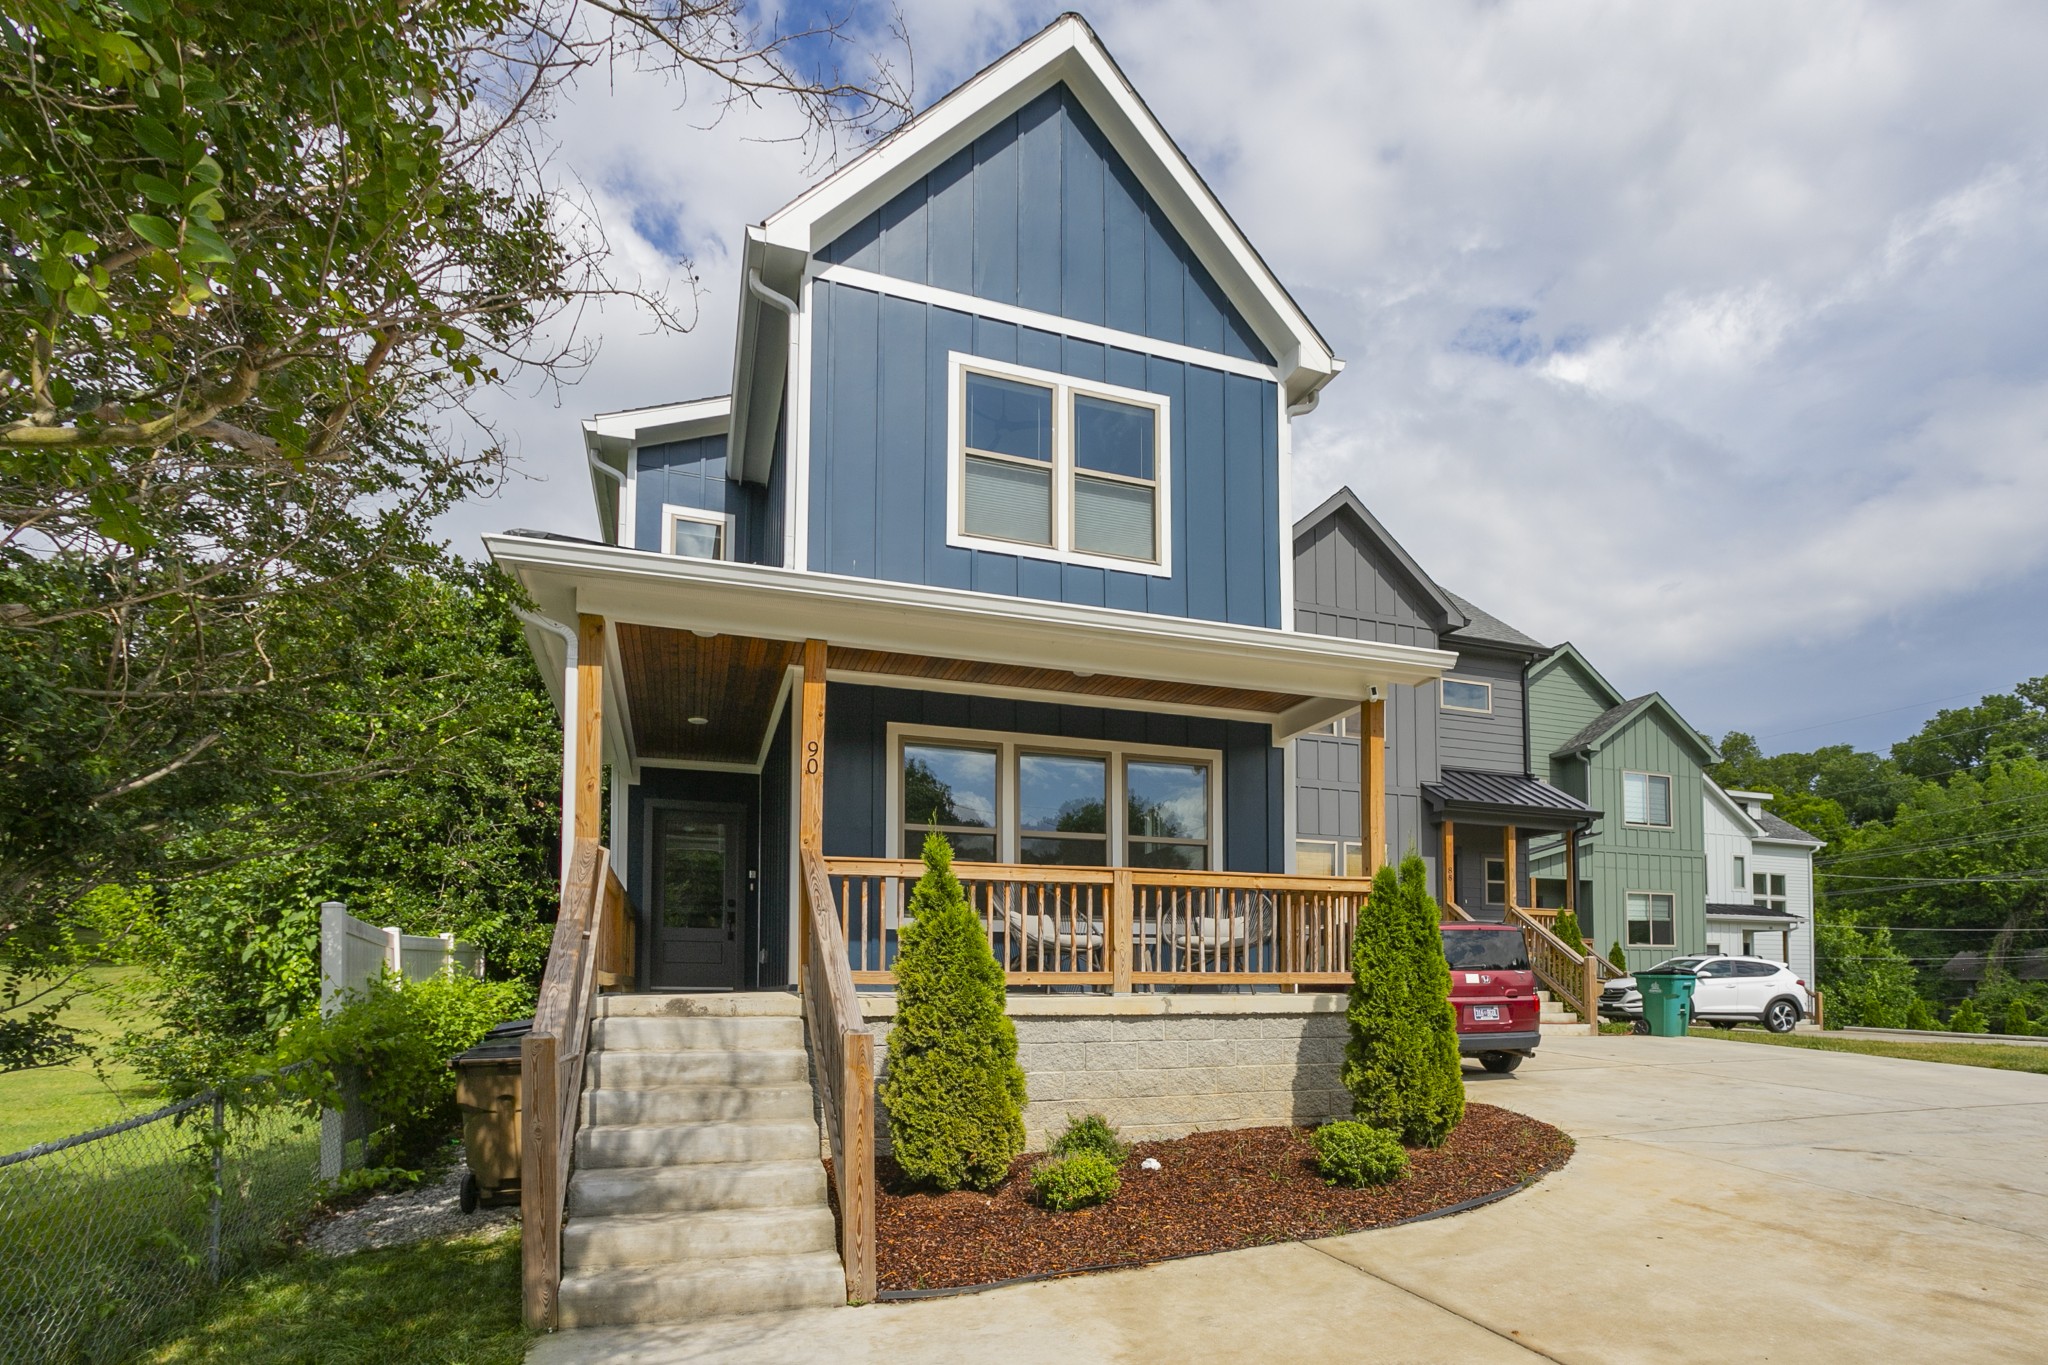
[(1868, 715)]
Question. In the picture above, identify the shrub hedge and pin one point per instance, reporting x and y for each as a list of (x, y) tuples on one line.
[(1351, 1153), (1076, 1180), (1091, 1133)]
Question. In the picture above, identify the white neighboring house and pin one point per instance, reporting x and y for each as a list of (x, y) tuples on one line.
[(1759, 881)]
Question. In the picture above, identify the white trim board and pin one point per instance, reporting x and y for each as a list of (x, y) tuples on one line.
[(975, 306)]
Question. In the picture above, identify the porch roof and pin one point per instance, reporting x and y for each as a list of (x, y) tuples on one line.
[(666, 616)]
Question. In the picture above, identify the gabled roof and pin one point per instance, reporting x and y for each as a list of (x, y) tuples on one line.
[(1067, 51), (1484, 628), (1569, 653), (609, 439), (1763, 825), (1732, 808), (1344, 504), (1615, 719)]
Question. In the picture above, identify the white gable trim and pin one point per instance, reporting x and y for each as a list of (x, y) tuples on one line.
[(1068, 51)]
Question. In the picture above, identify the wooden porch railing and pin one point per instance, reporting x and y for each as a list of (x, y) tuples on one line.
[(593, 918), (1116, 927), (843, 1052), (1573, 976)]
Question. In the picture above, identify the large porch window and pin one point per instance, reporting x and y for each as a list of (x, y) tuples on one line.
[(1025, 799)]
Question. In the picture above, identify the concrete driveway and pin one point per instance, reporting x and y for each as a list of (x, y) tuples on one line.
[(1727, 1202)]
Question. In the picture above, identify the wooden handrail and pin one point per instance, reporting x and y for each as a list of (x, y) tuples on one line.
[(1574, 976), (844, 1049), (551, 1070)]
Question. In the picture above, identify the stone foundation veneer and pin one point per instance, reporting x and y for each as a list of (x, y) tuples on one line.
[(1160, 1066)]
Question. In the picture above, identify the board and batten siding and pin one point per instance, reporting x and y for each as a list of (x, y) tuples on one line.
[(1344, 587), (1639, 858), (1041, 213), (880, 463), (692, 473), (1487, 743), (857, 758), (1562, 701)]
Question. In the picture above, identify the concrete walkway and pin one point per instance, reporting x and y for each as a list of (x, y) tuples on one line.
[(1728, 1201)]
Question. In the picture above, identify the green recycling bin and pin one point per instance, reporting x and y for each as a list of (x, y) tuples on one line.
[(1667, 1001)]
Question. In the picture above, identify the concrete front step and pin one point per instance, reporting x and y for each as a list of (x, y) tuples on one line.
[(695, 1144), (667, 1238), (1572, 1030), (1558, 1016), (670, 1005), (697, 1033), (697, 1104), (608, 1069), (687, 1291), (723, 1185)]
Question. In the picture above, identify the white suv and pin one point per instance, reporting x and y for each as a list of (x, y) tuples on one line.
[(1727, 991)]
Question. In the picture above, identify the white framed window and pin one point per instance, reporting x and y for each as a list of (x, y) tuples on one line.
[(1768, 890), (695, 533), (1496, 881), (1652, 919), (1053, 467), (1034, 799), (1319, 858), (1646, 799), (1741, 876), (1464, 694)]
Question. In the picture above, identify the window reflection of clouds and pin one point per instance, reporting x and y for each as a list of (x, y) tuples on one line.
[(1061, 792), (960, 784), (1168, 800)]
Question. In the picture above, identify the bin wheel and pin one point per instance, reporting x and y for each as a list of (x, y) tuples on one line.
[(1639, 1026), (469, 1192), (1500, 1063)]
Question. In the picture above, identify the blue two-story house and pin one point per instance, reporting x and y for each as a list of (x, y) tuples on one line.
[(1000, 489)]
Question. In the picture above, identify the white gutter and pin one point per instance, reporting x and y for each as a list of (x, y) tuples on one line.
[(568, 639), (761, 291)]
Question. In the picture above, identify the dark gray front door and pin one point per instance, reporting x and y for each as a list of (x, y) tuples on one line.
[(699, 873)]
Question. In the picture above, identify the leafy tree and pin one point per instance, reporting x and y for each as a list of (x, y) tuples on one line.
[(1965, 739), (953, 1089), (1868, 980), (1967, 1018), (1401, 1064), (1919, 1016)]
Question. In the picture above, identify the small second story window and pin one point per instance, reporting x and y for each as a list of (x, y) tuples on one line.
[(1741, 876), (1460, 694), (1058, 468), (1646, 799), (695, 534), (1767, 889)]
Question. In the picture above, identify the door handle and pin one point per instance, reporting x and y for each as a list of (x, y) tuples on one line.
[(732, 920)]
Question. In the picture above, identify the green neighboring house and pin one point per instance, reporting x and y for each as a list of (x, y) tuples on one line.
[(1642, 866)]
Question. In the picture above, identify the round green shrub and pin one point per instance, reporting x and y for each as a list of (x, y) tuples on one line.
[(1352, 1153), (954, 1091), (1076, 1180), (1090, 1133)]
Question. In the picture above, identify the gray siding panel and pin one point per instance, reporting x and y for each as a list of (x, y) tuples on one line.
[(1344, 588), (692, 474), (880, 463), (1490, 743), (857, 720), (1041, 213)]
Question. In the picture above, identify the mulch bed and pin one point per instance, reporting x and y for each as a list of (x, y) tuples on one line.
[(1214, 1192)]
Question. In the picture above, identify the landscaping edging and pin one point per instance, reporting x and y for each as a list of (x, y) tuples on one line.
[(1218, 1191)]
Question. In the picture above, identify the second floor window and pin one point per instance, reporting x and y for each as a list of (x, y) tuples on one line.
[(1646, 799), (1059, 468), (1460, 694), (1768, 890)]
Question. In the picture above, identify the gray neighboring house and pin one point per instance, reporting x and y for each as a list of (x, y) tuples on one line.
[(1457, 769)]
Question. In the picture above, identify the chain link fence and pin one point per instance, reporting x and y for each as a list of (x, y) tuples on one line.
[(107, 1237)]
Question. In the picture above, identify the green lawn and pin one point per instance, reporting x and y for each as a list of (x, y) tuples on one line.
[(36, 1106), (437, 1303), (1995, 1055)]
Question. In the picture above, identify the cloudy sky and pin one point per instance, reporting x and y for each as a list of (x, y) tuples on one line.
[(1711, 337)]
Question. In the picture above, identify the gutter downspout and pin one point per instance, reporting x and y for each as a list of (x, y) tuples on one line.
[(618, 507), (760, 289), (568, 639)]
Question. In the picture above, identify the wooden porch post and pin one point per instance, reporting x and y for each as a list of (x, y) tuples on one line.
[(589, 727), (1450, 864), (810, 823), (1571, 877), (1507, 845), (1372, 783)]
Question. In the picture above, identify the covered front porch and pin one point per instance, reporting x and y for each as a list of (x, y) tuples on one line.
[(1115, 785)]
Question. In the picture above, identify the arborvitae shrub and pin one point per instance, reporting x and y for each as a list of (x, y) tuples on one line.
[(1350, 1153), (1401, 1064), (1968, 1019), (1075, 1181), (1617, 959), (954, 1091), (1090, 1133), (1567, 928), (1919, 1016), (2016, 1020)]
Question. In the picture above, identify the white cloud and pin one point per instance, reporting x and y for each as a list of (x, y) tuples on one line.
[(1683, 330)]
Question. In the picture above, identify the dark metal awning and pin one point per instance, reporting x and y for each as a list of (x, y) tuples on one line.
[(1505, 799), (1755, 912)]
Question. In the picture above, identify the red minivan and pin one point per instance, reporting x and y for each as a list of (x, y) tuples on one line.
[(1499, 1014)]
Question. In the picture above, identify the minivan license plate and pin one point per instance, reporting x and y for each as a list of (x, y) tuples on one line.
[(1482, 1013)]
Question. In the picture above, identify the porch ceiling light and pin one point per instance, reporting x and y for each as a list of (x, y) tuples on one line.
[(700, 720)]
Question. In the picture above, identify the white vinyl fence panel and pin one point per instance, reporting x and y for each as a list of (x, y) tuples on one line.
[(353, 954)]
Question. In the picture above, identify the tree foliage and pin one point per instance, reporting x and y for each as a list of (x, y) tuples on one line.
[(1401, 1064), (954, 1090)]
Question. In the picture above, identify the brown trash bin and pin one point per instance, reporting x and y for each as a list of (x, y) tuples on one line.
[(487, 1092)]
